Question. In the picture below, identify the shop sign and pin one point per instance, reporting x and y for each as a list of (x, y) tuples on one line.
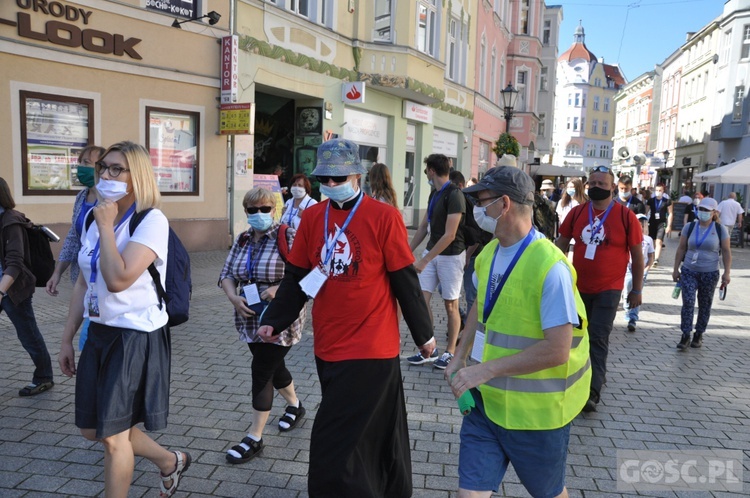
[(237, 119), (353, 92), (445, 142), (230, 66), (365, 128), (65, 34), (417, 112), (182, 8)]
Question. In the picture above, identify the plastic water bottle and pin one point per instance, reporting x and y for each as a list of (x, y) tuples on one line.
[(722, 292), (465, 401), (677, 290)]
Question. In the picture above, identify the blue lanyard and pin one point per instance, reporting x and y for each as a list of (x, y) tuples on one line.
[(431, 205), (698, 243), (630, 199), (85, 208), (594, 231), (95, 252), (493, 296), (249, 263), (329, 247), (292, 213), (695, 210), (658, 205)]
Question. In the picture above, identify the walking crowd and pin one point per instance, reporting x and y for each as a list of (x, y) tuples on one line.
[(525, 357)]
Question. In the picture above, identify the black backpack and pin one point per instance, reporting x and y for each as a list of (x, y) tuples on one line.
[(179, 285), (545, 217), (41, 262)]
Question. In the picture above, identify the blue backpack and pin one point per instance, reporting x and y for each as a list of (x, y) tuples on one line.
[(179, 286)]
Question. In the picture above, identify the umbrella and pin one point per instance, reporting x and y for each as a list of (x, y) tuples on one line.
[(736, 172), (552, 170)]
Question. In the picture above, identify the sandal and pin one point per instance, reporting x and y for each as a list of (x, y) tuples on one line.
[(292, 416), (245, 451), (33, 389), (183, 463)]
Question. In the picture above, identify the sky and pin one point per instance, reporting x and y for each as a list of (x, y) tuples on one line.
[(636, 34)]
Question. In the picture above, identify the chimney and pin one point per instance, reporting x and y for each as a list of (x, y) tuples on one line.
[(689, 35), (601, 60)]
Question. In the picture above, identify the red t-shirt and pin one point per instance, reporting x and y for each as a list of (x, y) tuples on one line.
[(354, 313), (620, 232)]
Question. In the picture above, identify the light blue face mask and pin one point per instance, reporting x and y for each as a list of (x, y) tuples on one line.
[(260, 221), (705, 215), (338, 193), (571, 192)]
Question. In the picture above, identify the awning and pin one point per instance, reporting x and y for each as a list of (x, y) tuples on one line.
[(552, 170)]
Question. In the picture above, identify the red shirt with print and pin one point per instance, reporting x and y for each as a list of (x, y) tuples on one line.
[(354, 314), (620, 232)]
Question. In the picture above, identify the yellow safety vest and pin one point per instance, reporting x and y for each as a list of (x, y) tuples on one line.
[(543, 400)]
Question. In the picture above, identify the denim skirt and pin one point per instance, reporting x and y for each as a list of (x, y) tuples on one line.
[(122, 380)]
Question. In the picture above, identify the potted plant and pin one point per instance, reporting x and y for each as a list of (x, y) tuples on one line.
[(506, 144)]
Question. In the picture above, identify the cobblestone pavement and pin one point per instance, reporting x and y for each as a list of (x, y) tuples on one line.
[(655, 399)]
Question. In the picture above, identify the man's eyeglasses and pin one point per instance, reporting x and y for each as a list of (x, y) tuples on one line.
[(113, 170), (262, 209), (336, 179), (478, 202)]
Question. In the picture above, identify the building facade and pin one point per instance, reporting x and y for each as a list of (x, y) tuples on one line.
[(553, 17)]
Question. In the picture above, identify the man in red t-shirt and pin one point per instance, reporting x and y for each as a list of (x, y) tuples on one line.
[(351, 254), (607, 236)]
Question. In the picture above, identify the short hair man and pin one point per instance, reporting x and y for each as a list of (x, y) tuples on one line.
[(534, 371), (607, 236), (660, 219), (730, 215), (351, 254), (442, 262), (626, 198)]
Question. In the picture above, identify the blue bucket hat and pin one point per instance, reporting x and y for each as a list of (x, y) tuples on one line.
[(338, 157)]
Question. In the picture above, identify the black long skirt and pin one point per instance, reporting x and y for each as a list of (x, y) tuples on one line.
[(359, 445)]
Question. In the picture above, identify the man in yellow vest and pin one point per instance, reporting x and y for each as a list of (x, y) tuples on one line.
[(527, 330)]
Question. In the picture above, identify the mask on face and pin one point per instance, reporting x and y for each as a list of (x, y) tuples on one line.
[(625, 195), (696, 202), (112, 190), (704, 215), (571, 192), (485, 222), (85, 175), (260, 221), (338, 193), (299, 192), (599, 194)]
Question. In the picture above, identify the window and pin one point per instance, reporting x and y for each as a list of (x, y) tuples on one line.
[(493, 74), (578, 100), (54, 129), (739, 96), (568, 124), (546, 32), (426, 25), (594, 126), (482, 67), (606, 104), (570, 99), (605, 127), (725, 46), (604, 151), (541, 126), (583, 124), (299, 7), (575, 124), (543, 80), (524, 18), (573, 150), (484, 155), (383, 22), (523, 99), (451, 55), (590, 150), (597, 82), (596, 102), (746, 41), (583, 100), (172, 138)]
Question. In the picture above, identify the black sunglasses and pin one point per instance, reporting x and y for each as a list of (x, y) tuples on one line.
[(262, 209), (336, 179), (705, 210), (601, 169)]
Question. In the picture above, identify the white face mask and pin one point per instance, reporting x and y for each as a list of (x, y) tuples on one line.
[(112, 190), (485, 222), (696, 202), (299, 192)]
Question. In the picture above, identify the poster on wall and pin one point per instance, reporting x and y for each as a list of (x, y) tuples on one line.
[(271, 182), (55, 133), (173, 145)]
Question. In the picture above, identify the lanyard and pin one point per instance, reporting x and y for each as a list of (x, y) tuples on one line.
[(594, 231), (698, 243), (658, 205), (329, 247), (431, 206), (493, 296), (630, 199), (95, 252), (292, 213), (249, 263)]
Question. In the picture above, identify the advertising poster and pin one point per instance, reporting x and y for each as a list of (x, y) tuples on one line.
[(271, 182), (173, 148)]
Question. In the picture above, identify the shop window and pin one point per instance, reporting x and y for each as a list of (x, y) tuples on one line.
[(172, 140), (54, 129)]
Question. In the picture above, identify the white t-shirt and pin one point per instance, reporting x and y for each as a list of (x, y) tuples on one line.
[(729, 209), (562, 212), (137, 307), (647, 247), (293, 216)]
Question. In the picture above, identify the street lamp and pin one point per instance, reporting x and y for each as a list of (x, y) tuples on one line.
[(509, 95), (213, 18), (666, 157)]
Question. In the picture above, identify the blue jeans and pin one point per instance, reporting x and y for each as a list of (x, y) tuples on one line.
[(630, 313), (22, 317)]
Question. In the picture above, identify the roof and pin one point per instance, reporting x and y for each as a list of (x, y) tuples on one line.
[(578, 51), (613, 73)]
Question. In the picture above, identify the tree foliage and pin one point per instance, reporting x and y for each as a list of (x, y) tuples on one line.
[(506, 144)]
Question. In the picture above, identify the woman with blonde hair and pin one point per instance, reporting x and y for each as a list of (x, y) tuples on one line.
[(381, 185), (122, 376)]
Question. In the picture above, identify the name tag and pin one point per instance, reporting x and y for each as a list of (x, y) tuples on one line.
[(477, 349), (252, 296), (93, 304), (590, 251), (313, 282), (657, 216)]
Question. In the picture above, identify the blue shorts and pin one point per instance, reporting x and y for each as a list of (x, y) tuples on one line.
[(538, 457)]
